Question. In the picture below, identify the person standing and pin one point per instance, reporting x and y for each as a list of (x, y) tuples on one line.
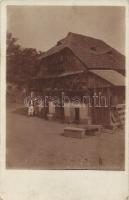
[(31, 108)]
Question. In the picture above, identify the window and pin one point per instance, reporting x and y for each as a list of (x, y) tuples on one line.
[(58, 43), (93, 48), (109, 52)]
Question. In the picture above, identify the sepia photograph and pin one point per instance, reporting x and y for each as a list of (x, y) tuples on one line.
[(65, 87)]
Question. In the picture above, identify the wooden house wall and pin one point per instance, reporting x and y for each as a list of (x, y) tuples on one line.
[(118, 95), (96, 82), (81, 81), (80, 85), (64, 61), (70, 82)]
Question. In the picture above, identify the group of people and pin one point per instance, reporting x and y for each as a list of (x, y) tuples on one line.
[(35, 105)]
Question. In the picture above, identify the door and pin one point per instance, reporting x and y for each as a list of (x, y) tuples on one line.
[(59, 113), (100, 116), (77, 114)]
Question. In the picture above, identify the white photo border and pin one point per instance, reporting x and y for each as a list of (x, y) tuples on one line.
[(59, 184)]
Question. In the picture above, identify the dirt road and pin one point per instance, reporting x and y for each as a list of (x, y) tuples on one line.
[(35, 143)]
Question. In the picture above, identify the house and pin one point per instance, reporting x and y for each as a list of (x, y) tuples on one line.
[(86, 69)]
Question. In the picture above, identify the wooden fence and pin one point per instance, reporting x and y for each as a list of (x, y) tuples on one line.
[(117, 116)]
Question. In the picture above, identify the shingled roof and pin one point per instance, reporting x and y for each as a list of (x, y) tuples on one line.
[(93, 53)]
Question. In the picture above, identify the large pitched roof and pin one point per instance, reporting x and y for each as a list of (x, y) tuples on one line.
[(94, 53), (113, 77)]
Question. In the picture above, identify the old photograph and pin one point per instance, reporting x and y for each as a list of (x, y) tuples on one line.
[(65, 87)]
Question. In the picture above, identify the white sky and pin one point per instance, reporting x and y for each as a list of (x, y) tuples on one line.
[(42, 26)]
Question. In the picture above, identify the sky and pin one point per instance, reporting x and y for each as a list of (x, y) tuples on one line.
[(41, 27)]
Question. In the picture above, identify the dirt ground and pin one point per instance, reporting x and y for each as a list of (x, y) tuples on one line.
[(36, 143)]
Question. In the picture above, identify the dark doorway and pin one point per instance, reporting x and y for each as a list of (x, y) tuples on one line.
[(101, 115), (77, 114), (62, 113), (59, 113)]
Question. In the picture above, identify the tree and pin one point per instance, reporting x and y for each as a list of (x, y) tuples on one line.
[(13, 51), (22, 63)]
